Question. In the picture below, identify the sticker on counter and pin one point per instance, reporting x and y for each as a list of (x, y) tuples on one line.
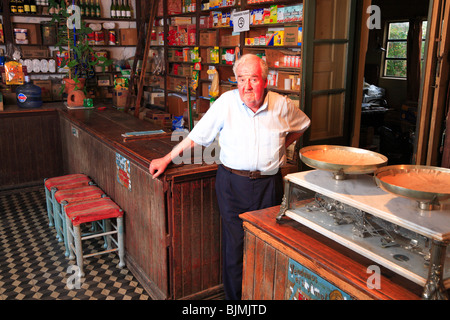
[(123, 171), (303, 284)]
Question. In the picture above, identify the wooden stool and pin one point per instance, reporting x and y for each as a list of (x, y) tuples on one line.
[(79, 213), (67, 196), (54, 184)]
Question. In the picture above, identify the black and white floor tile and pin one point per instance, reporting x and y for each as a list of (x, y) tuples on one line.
[(33, 265)]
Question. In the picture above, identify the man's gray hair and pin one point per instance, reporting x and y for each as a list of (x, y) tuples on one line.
[(249, 56)]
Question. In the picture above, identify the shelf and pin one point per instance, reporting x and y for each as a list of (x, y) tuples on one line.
[(84, 18)]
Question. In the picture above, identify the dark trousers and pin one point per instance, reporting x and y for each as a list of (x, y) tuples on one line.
[(236, 195)]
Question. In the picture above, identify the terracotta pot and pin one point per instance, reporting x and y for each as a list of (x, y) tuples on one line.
[(70, 84), (76, 98)]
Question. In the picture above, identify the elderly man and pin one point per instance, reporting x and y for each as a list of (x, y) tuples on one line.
[(255, 127)]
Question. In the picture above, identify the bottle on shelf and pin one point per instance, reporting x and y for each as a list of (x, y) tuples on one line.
[(98, 9), (33, 7), (123, 13), (93, 9), (82, 8), (26, 7), (128, 10), (87, 9), (112, 9), (20, 6), (13, 6)]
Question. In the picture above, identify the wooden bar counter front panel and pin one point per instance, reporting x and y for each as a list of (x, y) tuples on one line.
[(172, 224), (288, 261), (30, 147)]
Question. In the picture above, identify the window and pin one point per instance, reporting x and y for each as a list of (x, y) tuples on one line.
[(396, 45), (422, 48), (396, 48)]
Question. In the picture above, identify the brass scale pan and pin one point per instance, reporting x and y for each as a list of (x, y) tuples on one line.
[(316, 157)]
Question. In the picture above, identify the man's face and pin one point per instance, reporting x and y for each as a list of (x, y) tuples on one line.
[(251, 85)]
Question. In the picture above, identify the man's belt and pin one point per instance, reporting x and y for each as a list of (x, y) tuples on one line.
[(246, 173)]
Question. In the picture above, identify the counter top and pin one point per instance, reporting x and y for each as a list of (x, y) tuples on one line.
[(109, 125)]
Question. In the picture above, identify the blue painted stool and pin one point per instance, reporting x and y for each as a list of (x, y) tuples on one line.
[(79, 213), (54, 184), (67, 196)]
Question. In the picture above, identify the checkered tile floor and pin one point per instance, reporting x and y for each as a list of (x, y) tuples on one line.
[(33, 265)]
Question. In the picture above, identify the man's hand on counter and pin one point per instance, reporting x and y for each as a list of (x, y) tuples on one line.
[(158, 166)]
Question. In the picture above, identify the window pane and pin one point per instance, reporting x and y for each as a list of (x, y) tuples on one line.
[(422, 50), (424, 30), (396, 50), (395, 68), (398, 30)]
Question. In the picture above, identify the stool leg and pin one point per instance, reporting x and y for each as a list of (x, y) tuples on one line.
[(78, 249), (107, 228), (64, 225), (70, 242), (120, 242), (56, 215), (49, 207)]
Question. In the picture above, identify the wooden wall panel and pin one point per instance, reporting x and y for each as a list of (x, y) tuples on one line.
[(30, 148), (196, 237)]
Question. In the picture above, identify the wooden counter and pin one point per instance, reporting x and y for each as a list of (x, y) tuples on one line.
[(289, 261), (172, 224)]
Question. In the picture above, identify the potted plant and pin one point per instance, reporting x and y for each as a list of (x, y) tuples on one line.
[(73, 38)]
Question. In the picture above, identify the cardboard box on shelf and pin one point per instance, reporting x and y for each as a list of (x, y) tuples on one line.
[(34, 32), (291, 36), (56, 91), (207, 38), (274, 58), (120, 98), (128, 37), (46, 88), (33, 52), (176, 105)]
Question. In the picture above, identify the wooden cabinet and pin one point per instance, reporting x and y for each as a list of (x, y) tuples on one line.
[(172, 224), (287, 261)]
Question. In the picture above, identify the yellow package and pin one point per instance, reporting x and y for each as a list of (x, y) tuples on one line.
[(14, 73)]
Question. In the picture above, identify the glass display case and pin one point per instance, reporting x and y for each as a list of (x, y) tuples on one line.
[(391, 231)]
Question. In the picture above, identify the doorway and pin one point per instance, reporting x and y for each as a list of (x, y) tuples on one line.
[(392, 79)]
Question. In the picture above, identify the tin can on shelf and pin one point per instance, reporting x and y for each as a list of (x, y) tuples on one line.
[(112, 37)]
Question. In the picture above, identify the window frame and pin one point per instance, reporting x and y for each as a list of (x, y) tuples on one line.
[(384, 56)]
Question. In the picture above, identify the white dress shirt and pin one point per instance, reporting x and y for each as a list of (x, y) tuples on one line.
[(248, 140)]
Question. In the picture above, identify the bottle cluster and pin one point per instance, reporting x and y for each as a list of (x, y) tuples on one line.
[(119, 9), (23, 6)]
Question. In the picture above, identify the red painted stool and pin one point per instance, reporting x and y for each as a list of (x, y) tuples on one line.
[(67, 196), (54, 184), (79, 213)]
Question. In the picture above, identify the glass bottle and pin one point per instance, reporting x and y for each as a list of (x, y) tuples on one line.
[(93, 9), (26, 6), (33, 7), (13, 6), (98, 10), (128, 10), (112, 9), (20, 6), (82, 8), (87, 9), (123, 13)]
